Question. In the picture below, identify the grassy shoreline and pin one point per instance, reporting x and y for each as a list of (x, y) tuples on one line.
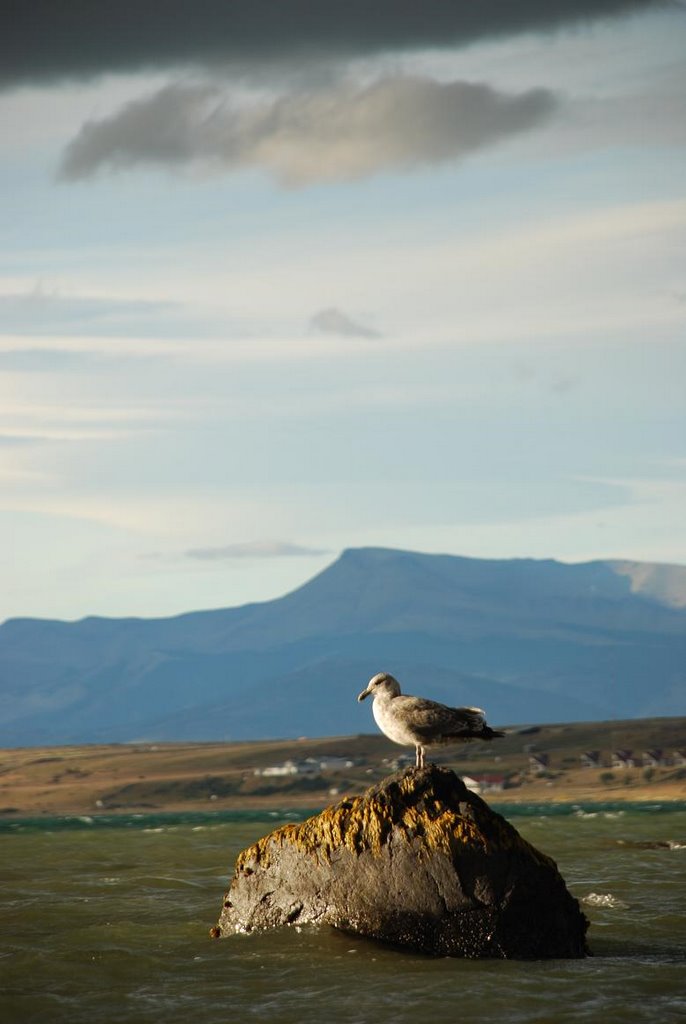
[(177, 777)]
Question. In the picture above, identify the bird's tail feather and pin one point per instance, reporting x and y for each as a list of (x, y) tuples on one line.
[(491, 734)]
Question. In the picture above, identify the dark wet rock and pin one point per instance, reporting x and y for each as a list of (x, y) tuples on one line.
[(650, 844), (418, 861)]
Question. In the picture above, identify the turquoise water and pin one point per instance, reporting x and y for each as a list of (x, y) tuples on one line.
[(107, 919)]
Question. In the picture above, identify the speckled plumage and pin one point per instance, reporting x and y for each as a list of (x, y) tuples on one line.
[(415, 721)]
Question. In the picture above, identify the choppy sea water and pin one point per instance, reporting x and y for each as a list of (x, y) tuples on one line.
[(107, 920)]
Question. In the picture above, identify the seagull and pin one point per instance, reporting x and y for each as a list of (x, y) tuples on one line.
[(415, 721)]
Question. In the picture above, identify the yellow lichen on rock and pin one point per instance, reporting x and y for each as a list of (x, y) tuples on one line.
[(365, 823)]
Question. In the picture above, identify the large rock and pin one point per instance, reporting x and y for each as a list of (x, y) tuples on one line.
[(418, 861)]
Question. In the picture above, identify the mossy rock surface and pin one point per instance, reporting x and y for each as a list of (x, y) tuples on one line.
[(418, 861)]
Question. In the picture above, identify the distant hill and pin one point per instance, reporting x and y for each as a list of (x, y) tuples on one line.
[(529, 640)]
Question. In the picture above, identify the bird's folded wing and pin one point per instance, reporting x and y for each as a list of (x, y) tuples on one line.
[(429, 718)]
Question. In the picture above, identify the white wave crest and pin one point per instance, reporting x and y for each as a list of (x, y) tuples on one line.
[(604, 899)]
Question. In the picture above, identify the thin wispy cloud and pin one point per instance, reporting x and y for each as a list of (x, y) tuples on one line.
[(44, 40), (39, 311), (65, 360), (334, 321), (254, 549), (43, 360), (333, 134), (20, 441)]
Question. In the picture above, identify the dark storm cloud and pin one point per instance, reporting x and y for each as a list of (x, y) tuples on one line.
[(338, 133), (43, 40)]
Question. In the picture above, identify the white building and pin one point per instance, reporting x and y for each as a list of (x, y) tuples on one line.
[(308, 767), (484, 783)]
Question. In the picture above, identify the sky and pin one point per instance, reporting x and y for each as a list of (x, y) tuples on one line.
[(281, 279)]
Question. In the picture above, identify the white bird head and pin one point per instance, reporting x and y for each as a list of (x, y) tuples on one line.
[(383, 683)]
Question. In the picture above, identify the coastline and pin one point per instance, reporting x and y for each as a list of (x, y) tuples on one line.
[(159, 778)]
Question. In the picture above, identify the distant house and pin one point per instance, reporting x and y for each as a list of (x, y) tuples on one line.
[(623, 759), (653, 759), (538, 763), (485, 783), (679, 758), (590, 759), (402, 761), (334, 764), (307, 767)]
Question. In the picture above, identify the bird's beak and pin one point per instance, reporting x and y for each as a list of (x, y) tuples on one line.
[(365, 693)]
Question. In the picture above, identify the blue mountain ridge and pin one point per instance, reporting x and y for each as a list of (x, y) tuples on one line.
[(529, 640)]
